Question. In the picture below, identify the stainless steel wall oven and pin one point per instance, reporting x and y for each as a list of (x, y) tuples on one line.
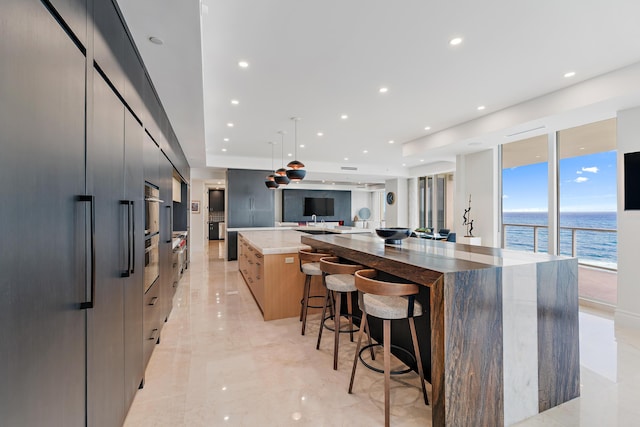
[(151, 234)]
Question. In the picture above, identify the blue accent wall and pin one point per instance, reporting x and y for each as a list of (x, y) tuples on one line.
[(293, 205)]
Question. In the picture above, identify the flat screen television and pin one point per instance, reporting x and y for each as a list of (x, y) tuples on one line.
[(632, 181), (319, 206)]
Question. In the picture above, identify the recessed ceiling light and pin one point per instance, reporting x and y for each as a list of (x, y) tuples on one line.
[(344, 117), (365, 151), (235, 102), (481, 107), (569, 74), (422, 160), (383, 90), (226, 139), (243, 64), (320, 134), (582, 148), (427, 128), (323, 181), (455, 41), (224, 149), (230, 124), (346, 158), (301, 145), (391, 141), (289, 154), (156, 40), (404, 164)]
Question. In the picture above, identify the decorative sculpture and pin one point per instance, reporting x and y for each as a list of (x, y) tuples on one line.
[(466, 219)]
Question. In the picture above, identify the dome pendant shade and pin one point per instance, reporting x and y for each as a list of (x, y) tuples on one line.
[(296, 174), (282, 179), (294, 164), (270, 182), (281, 172), (271, 185)]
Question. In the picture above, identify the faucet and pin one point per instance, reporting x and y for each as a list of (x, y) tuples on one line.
[(313, 217)]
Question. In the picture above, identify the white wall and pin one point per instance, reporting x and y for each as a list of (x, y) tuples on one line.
[(477, 174), (397, 214), (198, 222), (628, 310)]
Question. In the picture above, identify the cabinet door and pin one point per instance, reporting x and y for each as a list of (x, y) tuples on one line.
[(151, 154), (133, 284), (108, 42), (166, 228), (42, 329), (105, 180), (74, 13)]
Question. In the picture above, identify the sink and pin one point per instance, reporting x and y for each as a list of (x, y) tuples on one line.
[(315, 231)]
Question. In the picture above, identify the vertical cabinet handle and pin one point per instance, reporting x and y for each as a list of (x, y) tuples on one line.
[(132, 235), (92, 244), (170, 224), (127, 239)]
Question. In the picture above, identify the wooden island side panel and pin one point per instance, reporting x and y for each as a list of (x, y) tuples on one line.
[(275, 280)]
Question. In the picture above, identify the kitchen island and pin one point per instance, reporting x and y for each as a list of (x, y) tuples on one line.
[(268, 261), (502, 325)]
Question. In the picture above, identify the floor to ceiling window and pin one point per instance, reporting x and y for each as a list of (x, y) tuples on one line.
[(436, 201), (525, 197), (585, 196)]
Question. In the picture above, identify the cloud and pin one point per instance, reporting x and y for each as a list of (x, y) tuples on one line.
[(592, 169), (581, 179), (504, 196), (579, 172)]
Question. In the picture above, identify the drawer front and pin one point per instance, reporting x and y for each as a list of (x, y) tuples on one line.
[(151, 320)]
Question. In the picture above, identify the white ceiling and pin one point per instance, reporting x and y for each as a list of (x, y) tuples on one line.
[(318, 60)]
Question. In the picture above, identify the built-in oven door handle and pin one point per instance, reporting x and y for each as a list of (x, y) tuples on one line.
[(153, 199), (92, 244)]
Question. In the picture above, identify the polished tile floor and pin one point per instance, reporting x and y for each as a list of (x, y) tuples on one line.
[(219, 364)]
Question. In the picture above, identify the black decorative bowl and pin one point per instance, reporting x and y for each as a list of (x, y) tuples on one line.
[(393, 235)]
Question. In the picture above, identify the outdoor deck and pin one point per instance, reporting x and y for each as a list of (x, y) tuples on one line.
[(598, 285)]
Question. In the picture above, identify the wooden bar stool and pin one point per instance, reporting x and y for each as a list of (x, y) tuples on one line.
[(338, 278), (309, 266), (387, 301)]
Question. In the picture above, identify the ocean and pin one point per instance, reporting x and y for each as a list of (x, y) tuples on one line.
[(595, 248)]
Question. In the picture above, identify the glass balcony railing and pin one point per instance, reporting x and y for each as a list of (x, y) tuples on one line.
[(596, 247)]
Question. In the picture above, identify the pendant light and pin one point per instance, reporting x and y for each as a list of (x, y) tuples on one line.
[(270, 181), (281, 174), (296, 173)]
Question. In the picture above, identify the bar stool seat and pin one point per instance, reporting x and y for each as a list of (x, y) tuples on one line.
[(387, 301), (309, 266), (341, 282), (338, 279), (385, 307), (312, 269)]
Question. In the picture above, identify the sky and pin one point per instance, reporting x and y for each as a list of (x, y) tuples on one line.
[(587, 184)]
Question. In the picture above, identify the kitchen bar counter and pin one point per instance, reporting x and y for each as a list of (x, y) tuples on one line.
[(503, 325)]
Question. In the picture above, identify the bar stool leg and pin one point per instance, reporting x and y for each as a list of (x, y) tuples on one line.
[(386, 333), (336, 342), (416, 349), (324, 313), (350, 312), (355, 358), (305, 302)]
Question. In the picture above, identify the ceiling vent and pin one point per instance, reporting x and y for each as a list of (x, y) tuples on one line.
[(348, 168)]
